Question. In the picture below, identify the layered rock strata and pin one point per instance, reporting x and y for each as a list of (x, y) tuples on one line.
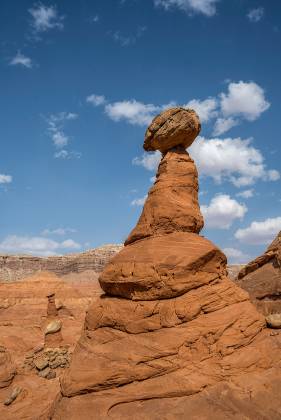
[(171, 326), (17, 267), (261, 278)]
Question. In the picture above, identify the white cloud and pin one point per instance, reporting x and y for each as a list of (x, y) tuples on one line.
[(244, 99), (127, 40), (96, 100), (58, 231), (139, 201), (56, 128), (65, 154), (232, 159), (222, 212), (246, 193), (21, 60), (45, 18), (255, 15), (149, 161), (132, 111), (273, 175), (224, 124), (35, 245), (235, 256), (259, 233), (5, 179), (206, 7), (206, 109), (60, 139)]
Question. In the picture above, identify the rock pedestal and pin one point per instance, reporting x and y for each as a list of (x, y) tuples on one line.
[(171, 326)]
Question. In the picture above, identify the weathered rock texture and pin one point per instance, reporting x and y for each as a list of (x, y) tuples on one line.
[(29, 358), (17, 267), (262, 279), (177, 181), (172, 337), (174, 127)]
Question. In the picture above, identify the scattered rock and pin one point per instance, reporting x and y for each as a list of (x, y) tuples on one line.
[(7, 368), (53, 327), (273, 320), (47, 373), (41, 362), (13, 396)]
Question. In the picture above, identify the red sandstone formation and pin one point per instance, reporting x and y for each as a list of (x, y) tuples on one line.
[(172, 337), (262, 279), (177, 181)]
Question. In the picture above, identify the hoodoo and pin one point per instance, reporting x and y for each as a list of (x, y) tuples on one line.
[(172, 337)]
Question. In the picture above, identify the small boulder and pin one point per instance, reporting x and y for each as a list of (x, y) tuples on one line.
[(273, 320), (53, 327), (14, 394), (41, 362)]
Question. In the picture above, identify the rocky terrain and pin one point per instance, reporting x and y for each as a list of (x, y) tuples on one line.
[(171, 337), (17, 267), (262, 279)]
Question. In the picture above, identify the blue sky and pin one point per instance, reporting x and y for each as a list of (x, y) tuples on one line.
[(79, 83)]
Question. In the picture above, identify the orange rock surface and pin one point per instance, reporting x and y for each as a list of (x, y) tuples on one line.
[(172, 337), (177, 181), (262, 279)]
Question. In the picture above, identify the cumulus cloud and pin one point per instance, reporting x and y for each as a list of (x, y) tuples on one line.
[(35, 245), (206, 109), (244, 99), (235, 256), (222, 125), (149, 161), (206, 7), (255, 15), (259, 233), (21, 60), (231, 159), (139, 201), (45, 18), (222, 212), (96, 100), (132, 111), (5, 179), (246, 193)]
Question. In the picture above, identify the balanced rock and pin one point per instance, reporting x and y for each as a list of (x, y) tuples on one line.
[(171, 328), (173, 127), (172, 203), (261, 278)]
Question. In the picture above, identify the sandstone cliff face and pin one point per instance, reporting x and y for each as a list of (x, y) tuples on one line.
[(17, 267), (262, 279), (172, 337)]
